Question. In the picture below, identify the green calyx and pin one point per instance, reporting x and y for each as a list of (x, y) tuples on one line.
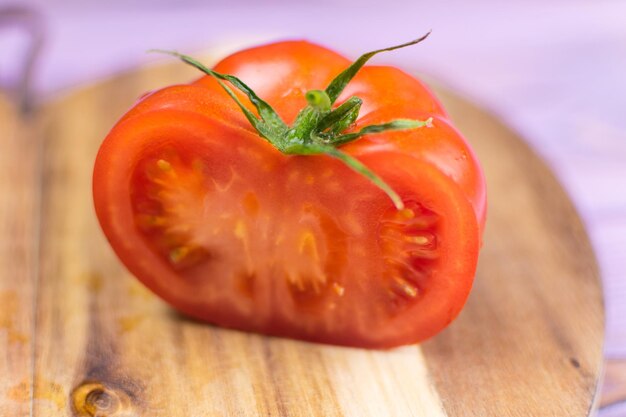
[(319, 128)]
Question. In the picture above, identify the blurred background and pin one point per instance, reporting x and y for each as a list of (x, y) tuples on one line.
[(553, 70)]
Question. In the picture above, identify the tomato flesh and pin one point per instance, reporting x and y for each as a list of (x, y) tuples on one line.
[(296, 256)]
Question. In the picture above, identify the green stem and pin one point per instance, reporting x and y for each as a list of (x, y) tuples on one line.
[(318, 100), (398, 124), (318, 127), (271, 124), (342, 117), (360, 168), (339, 83)]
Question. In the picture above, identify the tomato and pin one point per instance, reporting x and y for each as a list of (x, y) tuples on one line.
[(233, 229)]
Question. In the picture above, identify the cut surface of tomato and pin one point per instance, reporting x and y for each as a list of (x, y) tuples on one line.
[(229, 230)]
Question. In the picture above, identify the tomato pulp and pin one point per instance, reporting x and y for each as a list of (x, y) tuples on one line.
[(227, 229)]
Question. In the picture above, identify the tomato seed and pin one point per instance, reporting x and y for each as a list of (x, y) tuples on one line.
[(146, 221), (418, 240), (404, 287), (422, 240), (308, 246), (339, 290), (429, 254), (179, 253), (164, 165)]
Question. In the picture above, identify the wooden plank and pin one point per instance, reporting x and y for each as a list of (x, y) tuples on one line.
[(528, 344), (19, 200)]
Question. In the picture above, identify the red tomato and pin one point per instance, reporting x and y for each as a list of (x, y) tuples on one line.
[(227, 229)]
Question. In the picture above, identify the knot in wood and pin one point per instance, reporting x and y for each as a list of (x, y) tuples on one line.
[(93, 399)]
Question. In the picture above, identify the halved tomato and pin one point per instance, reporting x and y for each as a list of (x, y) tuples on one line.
[(216, 220)]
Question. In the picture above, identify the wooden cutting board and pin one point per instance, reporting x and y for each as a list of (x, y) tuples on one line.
[(79, 336), (20, 151)]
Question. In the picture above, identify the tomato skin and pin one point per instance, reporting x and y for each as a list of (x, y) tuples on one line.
[(295, 66), (433, 166)]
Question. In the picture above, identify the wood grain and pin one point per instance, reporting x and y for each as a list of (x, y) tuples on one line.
[(19, 199), (535, 313), (528, 343)]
